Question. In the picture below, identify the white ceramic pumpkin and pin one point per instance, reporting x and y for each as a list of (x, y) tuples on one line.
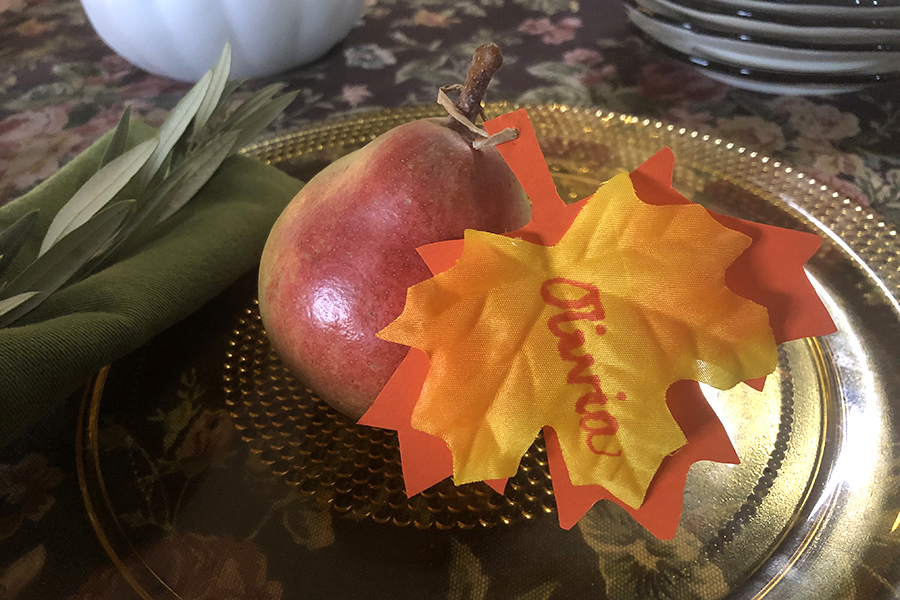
[(181, 39)]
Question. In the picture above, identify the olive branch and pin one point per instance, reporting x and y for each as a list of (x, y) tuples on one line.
[(120, 207)]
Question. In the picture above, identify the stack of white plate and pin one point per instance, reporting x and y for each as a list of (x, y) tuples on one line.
[(779, 46)]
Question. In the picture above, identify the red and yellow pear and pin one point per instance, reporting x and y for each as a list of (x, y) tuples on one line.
[(338, 261)]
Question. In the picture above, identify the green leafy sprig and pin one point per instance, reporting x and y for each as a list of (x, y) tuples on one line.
[(119, 208)]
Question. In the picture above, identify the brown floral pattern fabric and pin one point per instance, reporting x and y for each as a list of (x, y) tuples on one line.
[(24, 488), (198, 566)]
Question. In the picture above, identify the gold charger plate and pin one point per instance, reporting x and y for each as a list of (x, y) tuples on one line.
[(202, 436)]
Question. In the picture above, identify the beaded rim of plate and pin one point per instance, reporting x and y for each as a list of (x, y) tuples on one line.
[(354, 468)]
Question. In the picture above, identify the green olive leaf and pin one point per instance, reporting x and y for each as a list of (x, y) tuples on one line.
[(14, 237), (250, 105), (175, 126), (52, 270), (222, 107), (119, 138), (97, 192), (218, 80), (254, 123), (10, 303), (194, 173), (181, 185)]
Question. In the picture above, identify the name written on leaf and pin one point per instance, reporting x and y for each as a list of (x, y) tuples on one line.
[(595, 420)]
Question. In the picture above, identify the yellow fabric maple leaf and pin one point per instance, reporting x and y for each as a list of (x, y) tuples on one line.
[(584, 336)]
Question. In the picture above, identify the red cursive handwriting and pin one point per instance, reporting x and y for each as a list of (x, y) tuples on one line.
[(595, 420)]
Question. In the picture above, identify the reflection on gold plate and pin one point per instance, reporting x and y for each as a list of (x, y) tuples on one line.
[(354, 468), (810, 511)]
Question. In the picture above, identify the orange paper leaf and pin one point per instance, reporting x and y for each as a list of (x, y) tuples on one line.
[(661, 510), (585, 336), (770, 272), (657, 508)]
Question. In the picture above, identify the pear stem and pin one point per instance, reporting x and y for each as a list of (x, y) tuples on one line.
[(485, 62)]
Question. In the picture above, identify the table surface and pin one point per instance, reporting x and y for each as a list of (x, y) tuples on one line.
[(61, 87)]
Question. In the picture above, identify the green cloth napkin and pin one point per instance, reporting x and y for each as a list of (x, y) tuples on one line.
[(209, 243)]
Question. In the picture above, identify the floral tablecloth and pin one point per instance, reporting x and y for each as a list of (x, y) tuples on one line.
[(61, 87)]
